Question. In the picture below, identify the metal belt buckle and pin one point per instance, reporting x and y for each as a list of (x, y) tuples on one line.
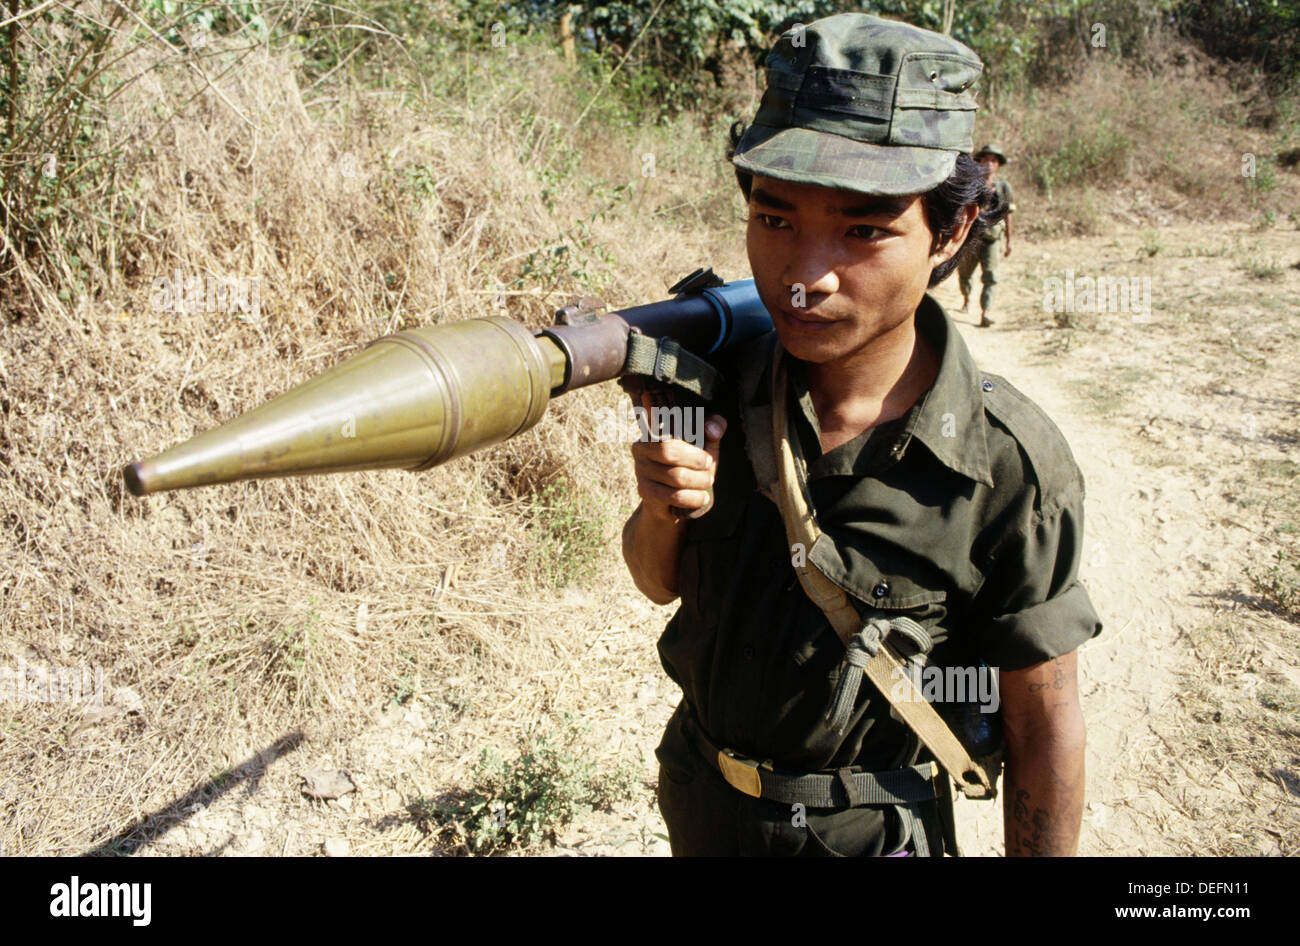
[(740, 773)]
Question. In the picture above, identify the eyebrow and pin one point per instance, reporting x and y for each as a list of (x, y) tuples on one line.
[(874, 207)]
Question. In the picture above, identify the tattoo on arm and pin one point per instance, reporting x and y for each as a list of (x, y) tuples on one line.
[(1056, 683), (1031, 834)]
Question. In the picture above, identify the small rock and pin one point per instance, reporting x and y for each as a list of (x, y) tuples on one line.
[(336, 847), (326, 783), (345, 803), (128, 700)]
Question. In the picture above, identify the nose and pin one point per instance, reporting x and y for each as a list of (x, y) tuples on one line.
[(812, 268)]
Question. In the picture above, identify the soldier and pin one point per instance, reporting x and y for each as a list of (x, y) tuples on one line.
[(991, 159), (949, 507)]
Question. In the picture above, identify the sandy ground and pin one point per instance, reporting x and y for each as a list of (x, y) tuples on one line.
[(1167, 545)]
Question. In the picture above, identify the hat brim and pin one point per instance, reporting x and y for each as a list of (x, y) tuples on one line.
[(805, 156)]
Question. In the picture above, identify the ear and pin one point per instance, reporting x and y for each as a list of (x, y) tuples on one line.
[(948, 249)]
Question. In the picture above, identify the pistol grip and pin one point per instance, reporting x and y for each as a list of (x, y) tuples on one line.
[(668, 396)]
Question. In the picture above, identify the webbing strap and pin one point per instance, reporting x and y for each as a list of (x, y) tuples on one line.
[(851, 789), (911, 815), (845, 788), (665, 360), (884, 668)]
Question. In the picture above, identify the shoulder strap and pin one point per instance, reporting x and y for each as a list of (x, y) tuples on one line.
[(877, 658)]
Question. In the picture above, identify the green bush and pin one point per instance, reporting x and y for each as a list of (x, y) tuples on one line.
[(1263, 267), (1266, 33), (1279, 584), (1088, 155), (526, 801)]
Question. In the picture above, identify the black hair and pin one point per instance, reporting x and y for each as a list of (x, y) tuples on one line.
[(945, 205)]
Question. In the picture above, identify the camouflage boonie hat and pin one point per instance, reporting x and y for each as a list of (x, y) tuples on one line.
[(993, 150), (865, 104)]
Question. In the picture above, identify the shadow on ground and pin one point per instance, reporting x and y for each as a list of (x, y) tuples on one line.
[(154, 825)]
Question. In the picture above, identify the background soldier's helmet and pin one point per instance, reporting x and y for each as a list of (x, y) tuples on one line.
[(993, 150)]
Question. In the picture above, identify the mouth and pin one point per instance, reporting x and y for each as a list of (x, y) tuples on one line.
[(805, 320)]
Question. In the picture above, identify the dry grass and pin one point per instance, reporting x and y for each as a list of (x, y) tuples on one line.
[(241, 615), (1238, 728)]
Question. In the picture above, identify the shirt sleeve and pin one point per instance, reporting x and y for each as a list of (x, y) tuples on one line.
[(1032, 607), (1011, 197)]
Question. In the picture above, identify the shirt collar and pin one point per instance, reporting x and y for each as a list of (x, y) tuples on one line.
[(949, 418)]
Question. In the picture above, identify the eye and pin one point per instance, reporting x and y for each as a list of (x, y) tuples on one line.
[(865, 232), (772, 222)]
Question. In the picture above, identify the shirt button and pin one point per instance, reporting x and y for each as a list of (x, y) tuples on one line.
[(987, 385), (881, 589)]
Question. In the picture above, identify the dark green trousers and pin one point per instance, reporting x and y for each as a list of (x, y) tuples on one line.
[(987, 261)]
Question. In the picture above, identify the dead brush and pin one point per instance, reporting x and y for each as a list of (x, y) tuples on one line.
[(241, 613)]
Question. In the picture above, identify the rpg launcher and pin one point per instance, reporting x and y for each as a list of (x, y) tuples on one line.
[(419, 398)]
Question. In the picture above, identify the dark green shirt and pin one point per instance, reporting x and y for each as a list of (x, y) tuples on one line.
[(965, 515)]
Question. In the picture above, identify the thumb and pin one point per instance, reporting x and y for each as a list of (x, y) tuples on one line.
[(714, 428)]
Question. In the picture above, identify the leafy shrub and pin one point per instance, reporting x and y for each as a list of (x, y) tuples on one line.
[(1279, 584), (526, 801), (1088, 155)]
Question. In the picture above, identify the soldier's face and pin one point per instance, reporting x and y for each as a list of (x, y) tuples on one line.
[(836, 269), (990, 164)]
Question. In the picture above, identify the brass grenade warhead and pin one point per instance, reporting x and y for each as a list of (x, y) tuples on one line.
[(408, 401)]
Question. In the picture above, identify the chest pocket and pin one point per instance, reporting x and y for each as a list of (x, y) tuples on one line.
[(898, 585)]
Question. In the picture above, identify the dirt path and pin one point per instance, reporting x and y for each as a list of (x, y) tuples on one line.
[(1127, 673), (1161, 557)]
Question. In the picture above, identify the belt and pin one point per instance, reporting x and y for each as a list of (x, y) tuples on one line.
[(843, 788)]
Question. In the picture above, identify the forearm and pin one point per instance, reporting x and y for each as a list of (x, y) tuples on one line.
[(652, 548), (1042, 795), (1043, 787)]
